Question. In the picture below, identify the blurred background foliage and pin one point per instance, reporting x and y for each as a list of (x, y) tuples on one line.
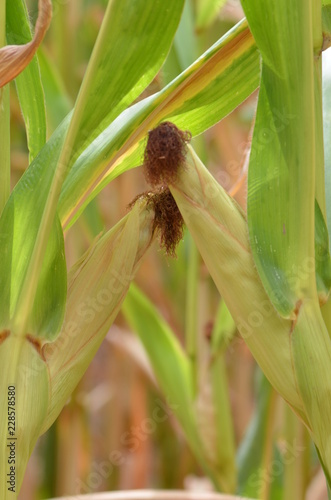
[(113, 410)]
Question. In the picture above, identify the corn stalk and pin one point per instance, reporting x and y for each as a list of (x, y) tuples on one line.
[(102, 137)]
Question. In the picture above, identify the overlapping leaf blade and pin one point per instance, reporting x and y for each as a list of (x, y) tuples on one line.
[(19, 224), (197, 99), (207, 11), (327, 129), (282, 163), (133, 43), (30, 212), (58, 103), (28, 83), (170, 365), (254, 474)]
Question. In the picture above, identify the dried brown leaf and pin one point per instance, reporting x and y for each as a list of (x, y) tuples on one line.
[(15, 58)]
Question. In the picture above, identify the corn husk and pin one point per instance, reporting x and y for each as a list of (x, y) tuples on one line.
[(45, 373), (294, 355), (219, 228)]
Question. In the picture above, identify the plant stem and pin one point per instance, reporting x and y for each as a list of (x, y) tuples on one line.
[(296, 466), (191, 319), (4, 122), (268, 449), (225, 445)]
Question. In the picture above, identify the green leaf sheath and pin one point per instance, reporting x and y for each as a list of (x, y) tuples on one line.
[(327, 129), (19, 226), (28, 83), (4, 146), (322, 256), (281, 180), (4, 123)]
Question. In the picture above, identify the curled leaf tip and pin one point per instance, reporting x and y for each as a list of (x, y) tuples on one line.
[(168, 221), (164, 154), (15, 58)]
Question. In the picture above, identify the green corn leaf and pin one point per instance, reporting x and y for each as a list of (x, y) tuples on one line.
[(254, 474), (169, 362), (28, 83), (46, 315), (131, 47), (326, 26), (197, 99), (58, 102), (34, 212), (322, 256), (5, 146), (207, 11), (281, 176), (21, 219), (327, 129), (184, 49), (311, 358), (233, 60), (171, 367), (93, 93), (215, 421), (319, 145)]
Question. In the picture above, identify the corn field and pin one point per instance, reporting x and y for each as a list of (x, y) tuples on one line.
[(165, 270)]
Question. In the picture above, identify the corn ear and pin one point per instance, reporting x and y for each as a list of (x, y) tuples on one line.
[(43, 372), (97, 287), (294, 355), (219, 228)]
